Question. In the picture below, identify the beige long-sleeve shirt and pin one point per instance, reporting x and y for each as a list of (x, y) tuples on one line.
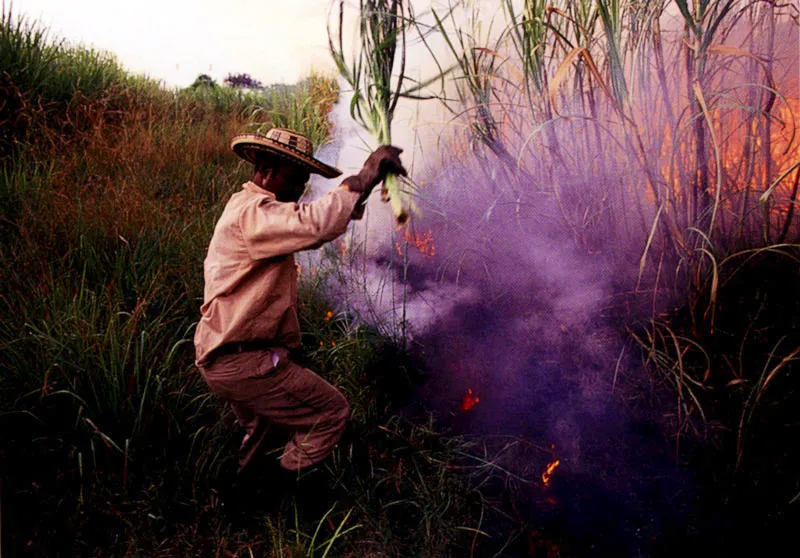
[(250, 276)]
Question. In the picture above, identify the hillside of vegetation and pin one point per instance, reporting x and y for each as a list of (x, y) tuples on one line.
[(110, 442)]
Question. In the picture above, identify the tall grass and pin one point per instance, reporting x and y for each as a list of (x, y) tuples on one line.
[(664, 136), (587, 82), (49, 68), (480, 80), (42, 75)]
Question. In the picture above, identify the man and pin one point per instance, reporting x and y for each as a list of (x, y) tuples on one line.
[(249, 314)]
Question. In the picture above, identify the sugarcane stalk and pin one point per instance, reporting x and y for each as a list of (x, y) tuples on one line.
[(370, 74), (391, 191)]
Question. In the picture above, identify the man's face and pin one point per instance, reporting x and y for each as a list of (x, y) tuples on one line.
[(288, 181)]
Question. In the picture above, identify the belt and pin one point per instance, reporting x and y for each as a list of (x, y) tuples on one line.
[(238, 347)]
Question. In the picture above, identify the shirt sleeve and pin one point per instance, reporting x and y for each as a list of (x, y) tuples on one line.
[(271, 228)]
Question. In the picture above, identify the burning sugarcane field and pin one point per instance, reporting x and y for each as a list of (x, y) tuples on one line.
[(513, 278)]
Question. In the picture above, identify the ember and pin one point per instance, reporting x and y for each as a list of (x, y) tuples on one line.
[(469, 400), (548, 472), (539, 545)]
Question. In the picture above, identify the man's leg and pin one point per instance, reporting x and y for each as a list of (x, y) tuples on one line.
[(287, 395), (255, 430), (314, 410), (230, 378)]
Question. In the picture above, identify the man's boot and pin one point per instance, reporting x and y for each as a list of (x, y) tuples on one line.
[(314, 493)]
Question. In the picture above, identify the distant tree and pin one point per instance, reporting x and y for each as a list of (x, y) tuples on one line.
[(203, 80), (242, 81)]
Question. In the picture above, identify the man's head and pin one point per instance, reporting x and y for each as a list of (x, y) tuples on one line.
[(283, 161), (281, 177)]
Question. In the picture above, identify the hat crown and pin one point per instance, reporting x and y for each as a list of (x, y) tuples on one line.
[(285, 144), (292, 140)]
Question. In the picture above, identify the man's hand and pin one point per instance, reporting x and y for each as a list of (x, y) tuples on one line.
[(382, 161)]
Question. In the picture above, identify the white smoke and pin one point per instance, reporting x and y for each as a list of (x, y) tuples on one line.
[(367, 283)]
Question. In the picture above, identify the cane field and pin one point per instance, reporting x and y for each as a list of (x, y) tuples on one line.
[(613, 370)]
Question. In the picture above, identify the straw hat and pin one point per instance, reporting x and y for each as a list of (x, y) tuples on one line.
[(286, 144)]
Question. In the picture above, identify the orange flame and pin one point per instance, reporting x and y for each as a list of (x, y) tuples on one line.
[(548, 472), (737, 168), (423, 242), (469, 400)]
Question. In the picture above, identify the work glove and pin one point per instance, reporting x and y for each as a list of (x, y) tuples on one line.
[(382, 161)]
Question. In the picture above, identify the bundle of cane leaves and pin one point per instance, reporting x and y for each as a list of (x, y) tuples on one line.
[(376, 87)]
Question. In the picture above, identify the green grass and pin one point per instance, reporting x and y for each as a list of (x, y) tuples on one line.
[(51, 69)]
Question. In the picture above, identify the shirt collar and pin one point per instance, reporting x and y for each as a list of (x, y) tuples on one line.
[(256, 189)]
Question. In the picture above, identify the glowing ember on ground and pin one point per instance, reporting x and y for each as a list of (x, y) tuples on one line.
[(548, 472), (469, 400), (540, 545)]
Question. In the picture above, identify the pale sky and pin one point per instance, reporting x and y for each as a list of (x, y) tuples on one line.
[(176, 40)]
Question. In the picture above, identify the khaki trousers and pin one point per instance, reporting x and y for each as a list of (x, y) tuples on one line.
[(265, 387)]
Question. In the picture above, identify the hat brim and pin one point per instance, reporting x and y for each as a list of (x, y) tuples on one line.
[(250, 146)]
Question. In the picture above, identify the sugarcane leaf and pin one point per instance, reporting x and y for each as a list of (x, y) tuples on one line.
[(442, 73), (419, 85), (355, 106), (698, 92), (768, 193), (683, 6), (610, 17), (712, 29), (560, 74), (726, 50)]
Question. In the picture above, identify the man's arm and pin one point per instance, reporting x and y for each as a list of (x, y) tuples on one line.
[(271, 228)]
